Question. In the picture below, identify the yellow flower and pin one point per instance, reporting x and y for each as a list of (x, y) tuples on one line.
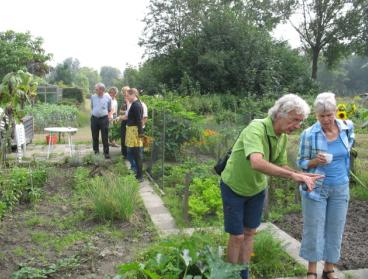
[(351, 109), (341, 107), (252, 255), (342, 115), (209, 133)]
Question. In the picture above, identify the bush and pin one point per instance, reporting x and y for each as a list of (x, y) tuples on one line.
[(171, 125), (113, 197), (73, 93)]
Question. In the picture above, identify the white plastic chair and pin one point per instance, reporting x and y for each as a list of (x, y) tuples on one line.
[(20, 137)]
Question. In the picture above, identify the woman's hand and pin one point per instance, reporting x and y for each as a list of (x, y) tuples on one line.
[(320, 159), (317, 161)]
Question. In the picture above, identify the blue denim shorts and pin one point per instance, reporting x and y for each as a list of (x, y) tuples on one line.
[(240, 211)]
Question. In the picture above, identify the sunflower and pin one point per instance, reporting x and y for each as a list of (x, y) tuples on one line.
[(342, 115)]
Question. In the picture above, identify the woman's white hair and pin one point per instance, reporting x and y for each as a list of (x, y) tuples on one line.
[(325, 102), (288, 103)]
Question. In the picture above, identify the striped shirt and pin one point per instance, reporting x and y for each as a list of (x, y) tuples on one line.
[(313, 141)]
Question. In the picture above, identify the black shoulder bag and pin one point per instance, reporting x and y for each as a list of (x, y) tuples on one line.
[(221, 163)]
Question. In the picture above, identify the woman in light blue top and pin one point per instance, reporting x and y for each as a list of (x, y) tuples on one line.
[(324, 209)]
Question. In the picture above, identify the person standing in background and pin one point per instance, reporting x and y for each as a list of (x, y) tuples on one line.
[(134, 133), (113, 91), (123, 115), (100, 117)]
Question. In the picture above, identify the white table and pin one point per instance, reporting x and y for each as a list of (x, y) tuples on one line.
[(68, 130)]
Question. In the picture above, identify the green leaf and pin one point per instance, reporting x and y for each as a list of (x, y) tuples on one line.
[(185, 255), (134, 266)]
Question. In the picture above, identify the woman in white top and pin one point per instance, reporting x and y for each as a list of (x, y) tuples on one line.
[(113, 91)]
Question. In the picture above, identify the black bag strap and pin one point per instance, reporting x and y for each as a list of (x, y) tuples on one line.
[(268, 140), (269, 143)]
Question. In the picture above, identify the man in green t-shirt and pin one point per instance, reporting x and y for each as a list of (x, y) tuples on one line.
[(260, 151)]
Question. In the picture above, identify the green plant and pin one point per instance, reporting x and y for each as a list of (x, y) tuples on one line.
[(196, 256), (27, 272), (199, 176), (205, 199), (270, 260), (282, 198), (360, 190), (171, 125), (94, 159), (15, 90), (21, 185), (201, 256), (19, 251), (113, 197), (81, 179)]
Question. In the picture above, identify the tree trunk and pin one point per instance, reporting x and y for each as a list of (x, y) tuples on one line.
[(315, 62)]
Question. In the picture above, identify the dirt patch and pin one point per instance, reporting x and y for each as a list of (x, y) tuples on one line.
[(354, 250), (58, 231)]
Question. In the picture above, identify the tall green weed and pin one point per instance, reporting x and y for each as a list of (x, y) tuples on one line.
[(113, 197), (270, 259)]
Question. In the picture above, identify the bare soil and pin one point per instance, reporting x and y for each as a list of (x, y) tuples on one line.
[(354, 250), (98, 247)]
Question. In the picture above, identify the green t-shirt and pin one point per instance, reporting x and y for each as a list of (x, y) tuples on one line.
[(238, 174)]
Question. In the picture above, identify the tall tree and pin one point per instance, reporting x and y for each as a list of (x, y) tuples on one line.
[(265, 14), (169, 22), (360, 42), (329, 26), (22, 51), (66, 71), (109, 75), (228, 54), (92, 76)]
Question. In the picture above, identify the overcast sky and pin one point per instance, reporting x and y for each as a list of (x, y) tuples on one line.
[(97, 33)]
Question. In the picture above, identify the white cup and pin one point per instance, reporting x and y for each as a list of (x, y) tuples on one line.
[(328, 157)]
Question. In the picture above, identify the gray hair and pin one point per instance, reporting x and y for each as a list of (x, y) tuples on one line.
[(325, 102), (100, 85), (288, 103), (114, 88)]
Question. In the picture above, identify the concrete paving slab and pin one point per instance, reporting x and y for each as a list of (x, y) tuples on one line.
[(292, 247), (356, 274), (160, 215)]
